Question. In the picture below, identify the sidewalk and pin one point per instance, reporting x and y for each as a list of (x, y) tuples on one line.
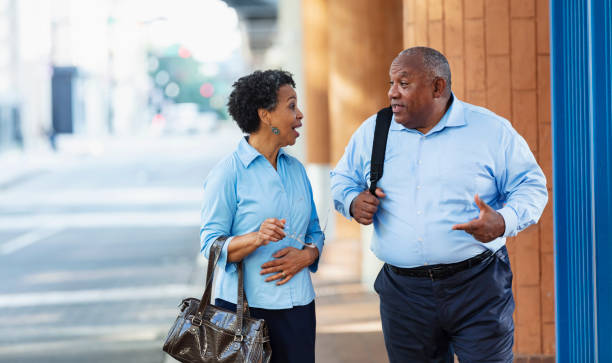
[(348, 320), (17, 166)]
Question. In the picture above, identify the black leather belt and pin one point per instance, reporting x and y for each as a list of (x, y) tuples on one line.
[(441, 271)]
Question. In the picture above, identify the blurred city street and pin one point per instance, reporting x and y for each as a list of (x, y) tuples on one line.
[(97, 251), (99, 243), (111, 116), (113, 112)]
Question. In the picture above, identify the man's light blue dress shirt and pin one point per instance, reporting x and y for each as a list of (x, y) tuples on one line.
[(430, 182), (240, 193)]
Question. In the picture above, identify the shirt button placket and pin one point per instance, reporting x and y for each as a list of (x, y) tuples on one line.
[(418, 200)]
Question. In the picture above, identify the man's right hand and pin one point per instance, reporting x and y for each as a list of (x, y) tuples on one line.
[(365, 205)]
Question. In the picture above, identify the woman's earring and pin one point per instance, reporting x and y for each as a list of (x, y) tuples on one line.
[(275, 130)]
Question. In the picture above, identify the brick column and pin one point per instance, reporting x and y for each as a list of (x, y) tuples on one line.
[(316, 70), (364, 37), (316, 121)]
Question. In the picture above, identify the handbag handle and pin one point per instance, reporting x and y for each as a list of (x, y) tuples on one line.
[(242, 306), (213, 259)]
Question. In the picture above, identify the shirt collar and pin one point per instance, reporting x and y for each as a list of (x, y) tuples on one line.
[(247, 153), (453, 117)]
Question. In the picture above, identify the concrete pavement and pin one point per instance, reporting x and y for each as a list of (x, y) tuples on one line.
[(348, 320)]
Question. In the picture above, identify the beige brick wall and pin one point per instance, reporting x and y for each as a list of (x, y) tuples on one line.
[(499, 56)]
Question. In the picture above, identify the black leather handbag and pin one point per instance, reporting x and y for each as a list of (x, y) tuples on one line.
[(206, 333)]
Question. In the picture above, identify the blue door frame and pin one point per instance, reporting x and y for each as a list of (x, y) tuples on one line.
[(581, 62)]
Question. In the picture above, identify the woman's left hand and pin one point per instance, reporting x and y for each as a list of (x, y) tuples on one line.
[(289, 261)]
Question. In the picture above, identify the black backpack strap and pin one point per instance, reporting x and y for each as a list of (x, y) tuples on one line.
[(379, 146)]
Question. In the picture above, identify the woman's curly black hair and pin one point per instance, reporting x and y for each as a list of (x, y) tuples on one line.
[(254, 91)]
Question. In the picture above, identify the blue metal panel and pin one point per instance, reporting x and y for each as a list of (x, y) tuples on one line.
[(582, 152), (601, 50)]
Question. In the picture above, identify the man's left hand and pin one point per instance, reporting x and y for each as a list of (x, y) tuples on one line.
[(488, 226)]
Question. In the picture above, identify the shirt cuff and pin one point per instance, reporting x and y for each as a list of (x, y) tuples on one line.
[(347, 203), (315, 265), (229, 267), (510, 219)]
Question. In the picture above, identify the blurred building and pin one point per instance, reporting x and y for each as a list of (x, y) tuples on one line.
[(67, 67), (10, 117), (259, 19)]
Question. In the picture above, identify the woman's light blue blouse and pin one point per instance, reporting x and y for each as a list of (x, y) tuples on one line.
[(239, 194)]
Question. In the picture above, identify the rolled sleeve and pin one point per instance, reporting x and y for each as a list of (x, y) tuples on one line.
[(350, 196), (314, 233), (523, 186), (510, 219), (344, 190), (347, 179), (315, 265), (218, 209), (222, 262)]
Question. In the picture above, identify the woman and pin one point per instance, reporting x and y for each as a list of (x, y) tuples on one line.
[(261, 197)]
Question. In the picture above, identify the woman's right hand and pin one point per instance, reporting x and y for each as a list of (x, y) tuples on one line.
[(271, 230)]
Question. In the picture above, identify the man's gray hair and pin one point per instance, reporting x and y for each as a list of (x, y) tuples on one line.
[(434, 62)]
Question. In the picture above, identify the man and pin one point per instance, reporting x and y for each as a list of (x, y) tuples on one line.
[(458, 180)]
